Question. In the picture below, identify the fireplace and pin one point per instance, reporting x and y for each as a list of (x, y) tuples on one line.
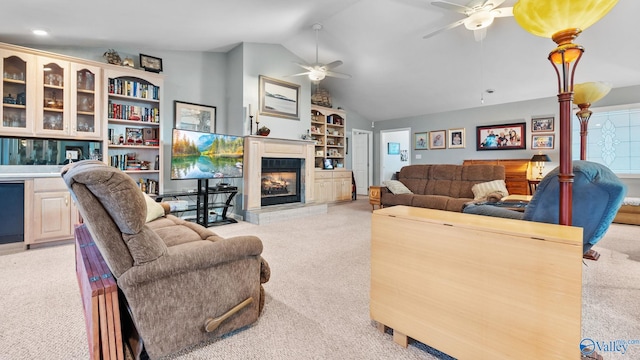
[(280, 181)]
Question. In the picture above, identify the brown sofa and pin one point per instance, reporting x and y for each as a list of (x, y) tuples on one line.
[(440, 187), (179, 279)]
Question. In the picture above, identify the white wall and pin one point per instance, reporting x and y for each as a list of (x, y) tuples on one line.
[(469, 119)]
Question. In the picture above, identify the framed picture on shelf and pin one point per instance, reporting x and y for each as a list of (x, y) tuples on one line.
[(456, 138), (437, 139), (393, 148), (501, 137), (542, 124), (420, 141), (134, 136), (196, 117), (151, 63), (278, 98), (542, 141)]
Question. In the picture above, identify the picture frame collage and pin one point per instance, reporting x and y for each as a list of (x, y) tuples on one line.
[(439, 139), (542, 136)]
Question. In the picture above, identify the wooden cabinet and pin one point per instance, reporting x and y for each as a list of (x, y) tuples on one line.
[(52, 100), (328, 128), (18, 92), (332, 185), (133, 112), (85, 100), (49, 97), (51, 210), (516, 172)]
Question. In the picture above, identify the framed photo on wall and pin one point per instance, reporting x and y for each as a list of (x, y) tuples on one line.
[(456, 138), (196, 117), (501, 137), (279, 98), (437, 139), (542, 141), (542, 124), (151, 63), (420, 141)]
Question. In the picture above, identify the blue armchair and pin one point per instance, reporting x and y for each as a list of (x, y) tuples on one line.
[(597, 195)]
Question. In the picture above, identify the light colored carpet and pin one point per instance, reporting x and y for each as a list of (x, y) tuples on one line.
[(317, 298)]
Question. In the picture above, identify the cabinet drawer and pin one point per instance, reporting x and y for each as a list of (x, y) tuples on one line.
[(324, 174), (49, 184), (342, 175)]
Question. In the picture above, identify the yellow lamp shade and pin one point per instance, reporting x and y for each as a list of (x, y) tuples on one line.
[(546, 17), (590, 92)]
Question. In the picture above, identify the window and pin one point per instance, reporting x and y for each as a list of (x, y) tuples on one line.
[(613, 138)]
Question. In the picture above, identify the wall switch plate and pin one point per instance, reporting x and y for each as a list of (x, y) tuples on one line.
[(418, 156)]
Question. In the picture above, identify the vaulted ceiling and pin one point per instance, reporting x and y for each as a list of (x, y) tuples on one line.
[(395, 72)]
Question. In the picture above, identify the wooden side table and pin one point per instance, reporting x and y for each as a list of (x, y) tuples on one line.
[(533, 185), (374, 197)]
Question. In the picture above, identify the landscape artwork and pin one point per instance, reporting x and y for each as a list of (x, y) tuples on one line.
[(279, 98)]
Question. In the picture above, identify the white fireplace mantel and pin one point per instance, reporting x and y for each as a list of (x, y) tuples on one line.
[(256, 147)]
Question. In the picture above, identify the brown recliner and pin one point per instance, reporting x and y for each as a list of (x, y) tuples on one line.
[(183, 283)]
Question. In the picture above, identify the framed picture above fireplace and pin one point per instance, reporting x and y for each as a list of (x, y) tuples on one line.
[(279, 98)]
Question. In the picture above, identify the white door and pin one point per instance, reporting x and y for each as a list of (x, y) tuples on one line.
[(392, 161), (361, 160)]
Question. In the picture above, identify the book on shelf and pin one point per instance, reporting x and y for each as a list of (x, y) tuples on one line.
[(119, 111), (133, 89)]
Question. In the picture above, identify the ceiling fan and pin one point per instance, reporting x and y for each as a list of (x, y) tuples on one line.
[(479, 15), (318, 71)]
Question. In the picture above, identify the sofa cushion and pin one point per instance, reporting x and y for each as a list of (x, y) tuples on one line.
[(482, 190), (396, 187), (154, 209), (144, 246)]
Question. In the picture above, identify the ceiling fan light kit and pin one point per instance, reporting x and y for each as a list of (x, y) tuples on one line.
[(317, 71), (478, 20), (479, 16)]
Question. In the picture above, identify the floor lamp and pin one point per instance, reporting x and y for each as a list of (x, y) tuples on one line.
[(562, 21), (586, 94)]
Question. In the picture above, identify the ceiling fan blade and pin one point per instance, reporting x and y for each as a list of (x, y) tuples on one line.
[(450, 26), (331, 65), (300, 74), (453, 7), (338, 75), (502, 12), (306, 67), (492, 4)]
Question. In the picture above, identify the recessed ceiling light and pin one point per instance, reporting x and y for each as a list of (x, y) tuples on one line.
[(40, 32)]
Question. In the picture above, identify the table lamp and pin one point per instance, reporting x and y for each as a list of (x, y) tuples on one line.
[(539, 160)]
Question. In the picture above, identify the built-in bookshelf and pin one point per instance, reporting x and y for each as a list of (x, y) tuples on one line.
[(328, 132), (133, 112)]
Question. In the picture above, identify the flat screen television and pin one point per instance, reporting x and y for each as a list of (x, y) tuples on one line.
[(200, 155)]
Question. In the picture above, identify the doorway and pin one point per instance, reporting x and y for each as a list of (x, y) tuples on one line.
[(391, 161), (362, 159)]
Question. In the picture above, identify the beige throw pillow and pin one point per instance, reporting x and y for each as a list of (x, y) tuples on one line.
[(154, 209), (396, 187), (483, 190)]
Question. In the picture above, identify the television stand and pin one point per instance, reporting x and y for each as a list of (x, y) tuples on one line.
[(204, 203)]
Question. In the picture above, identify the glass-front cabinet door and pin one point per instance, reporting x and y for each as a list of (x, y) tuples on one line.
[(84, 101), (52, 116), (18, 95)]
